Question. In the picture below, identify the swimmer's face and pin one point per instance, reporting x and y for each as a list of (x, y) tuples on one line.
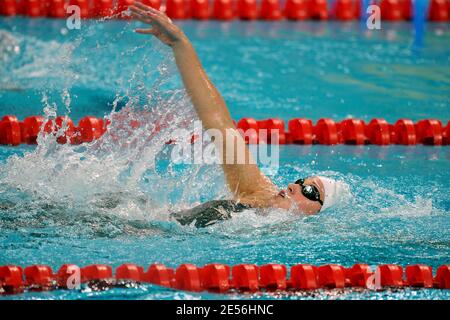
[(293, 199)]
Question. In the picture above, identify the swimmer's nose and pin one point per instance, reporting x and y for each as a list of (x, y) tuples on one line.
[(292, 187)]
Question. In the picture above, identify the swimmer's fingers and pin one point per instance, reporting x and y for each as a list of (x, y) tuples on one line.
[(162, 26), (141, 15), (146, 31), (144, 11), (154, 14), (147, 9), (139, 10), (142, 6), (149, 17), (141, 18)]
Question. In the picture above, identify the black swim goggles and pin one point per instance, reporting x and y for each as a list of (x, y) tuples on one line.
[(309, 191)]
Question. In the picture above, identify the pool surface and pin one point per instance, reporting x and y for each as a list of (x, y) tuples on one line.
[(108, 201)]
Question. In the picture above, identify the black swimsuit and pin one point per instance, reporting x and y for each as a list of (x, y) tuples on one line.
[(209, 213)]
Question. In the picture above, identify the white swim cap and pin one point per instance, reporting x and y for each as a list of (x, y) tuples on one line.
[(334, 190)]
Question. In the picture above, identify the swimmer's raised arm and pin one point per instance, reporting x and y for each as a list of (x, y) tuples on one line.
[(247, 182)]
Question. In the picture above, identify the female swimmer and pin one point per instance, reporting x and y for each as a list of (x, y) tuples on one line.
[(251, 188)]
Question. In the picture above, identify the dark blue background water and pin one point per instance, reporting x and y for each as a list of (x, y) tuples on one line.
[(399, 208)]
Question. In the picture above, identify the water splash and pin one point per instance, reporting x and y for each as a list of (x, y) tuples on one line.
[(126, 173)]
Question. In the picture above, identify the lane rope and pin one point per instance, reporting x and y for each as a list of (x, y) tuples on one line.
[(225, 10), (222, 278), (272, 131)]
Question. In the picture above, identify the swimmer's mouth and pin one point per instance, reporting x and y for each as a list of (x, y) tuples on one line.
[(282, 193)]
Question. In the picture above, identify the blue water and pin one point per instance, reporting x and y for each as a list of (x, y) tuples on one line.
[(108, 202)]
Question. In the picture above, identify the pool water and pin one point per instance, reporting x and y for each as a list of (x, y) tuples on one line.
[(108, 202)]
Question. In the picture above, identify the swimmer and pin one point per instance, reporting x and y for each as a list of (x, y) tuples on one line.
[(251, 188)]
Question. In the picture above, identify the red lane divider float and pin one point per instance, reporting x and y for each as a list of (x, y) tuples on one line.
[(341, 10), (346, 10), (200, 9), (272, 131), (14, 132), (223, 278)]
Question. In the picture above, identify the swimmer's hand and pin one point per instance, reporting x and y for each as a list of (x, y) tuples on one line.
[(161, 26)]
